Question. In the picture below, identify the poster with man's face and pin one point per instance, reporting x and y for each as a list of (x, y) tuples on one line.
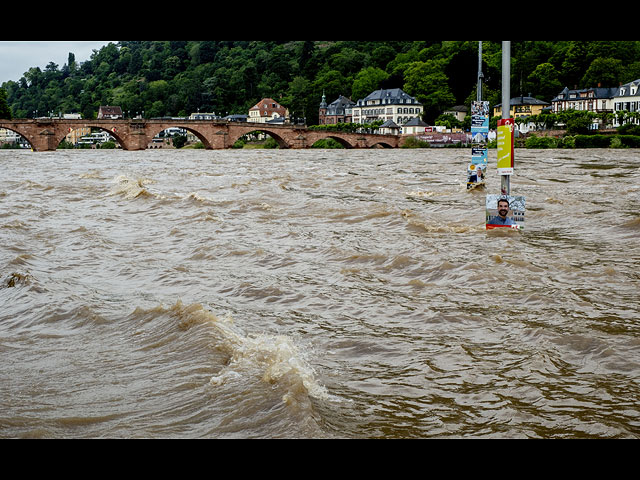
[(475, 175), (505, 211)]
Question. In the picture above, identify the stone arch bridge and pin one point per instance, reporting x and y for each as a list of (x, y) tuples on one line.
[(45, 134)]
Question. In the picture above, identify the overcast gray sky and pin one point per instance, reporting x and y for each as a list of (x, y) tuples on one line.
[(18, 57)]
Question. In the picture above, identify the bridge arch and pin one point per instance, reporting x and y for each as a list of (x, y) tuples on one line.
[(199, 135), (381, 144), (16, 129), (342, 141), (239, 133), (113, 131)]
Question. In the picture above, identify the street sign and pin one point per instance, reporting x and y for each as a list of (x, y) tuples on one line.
[(505, 146)]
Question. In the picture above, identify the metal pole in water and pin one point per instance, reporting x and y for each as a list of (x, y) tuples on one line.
[(497, 213), (479, 133), (505, 184), (480, 76)]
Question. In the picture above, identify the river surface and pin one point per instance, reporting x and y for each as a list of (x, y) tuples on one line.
[(317, 294)]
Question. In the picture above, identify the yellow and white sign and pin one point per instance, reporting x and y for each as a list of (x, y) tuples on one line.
[(505, 146)]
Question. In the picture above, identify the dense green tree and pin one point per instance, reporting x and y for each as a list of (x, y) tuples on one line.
[(381, 56), (429, 84), (575, 64), (368, 80), (545, 81), (630, 72), (135, 62), (603, 71), (333, 83), (297, 98), (579, 123), (461, 68), (5, 111)]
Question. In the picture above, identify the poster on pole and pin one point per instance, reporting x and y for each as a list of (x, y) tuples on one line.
[(505, 146), (505, 211), (479, 137)]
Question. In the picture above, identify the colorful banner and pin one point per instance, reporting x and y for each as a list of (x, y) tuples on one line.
[(505, 146), (479, 136), (480, 115)]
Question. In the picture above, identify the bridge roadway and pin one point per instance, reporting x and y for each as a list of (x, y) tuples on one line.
[(45, 134)]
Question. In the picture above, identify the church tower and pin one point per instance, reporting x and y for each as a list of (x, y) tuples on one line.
[(323, 110)]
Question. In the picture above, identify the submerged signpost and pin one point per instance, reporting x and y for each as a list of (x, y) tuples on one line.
[(505, 210)]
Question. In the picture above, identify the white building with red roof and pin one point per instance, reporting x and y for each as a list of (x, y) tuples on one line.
[(267, 110)]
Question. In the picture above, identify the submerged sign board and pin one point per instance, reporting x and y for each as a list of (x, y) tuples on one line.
[(505, 146), (505, 211), (479, 135)]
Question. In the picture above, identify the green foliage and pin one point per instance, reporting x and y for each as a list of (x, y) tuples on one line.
[(584, 141), (5, 111), (176, 78), (413, 142), (627, 141), (428, 82), (579, 123), (179, 141), (616, 142), (367, 81), (448, 120), (327, 143), (533, 141), (592, 141), (629, 129), (545, 80), (110, 145), (270, 143), (348, 127)]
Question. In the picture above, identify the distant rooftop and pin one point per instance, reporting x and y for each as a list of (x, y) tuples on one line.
[(391, 96), (522, 100)]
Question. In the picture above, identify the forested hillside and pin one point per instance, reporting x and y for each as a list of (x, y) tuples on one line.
[(176, 78)]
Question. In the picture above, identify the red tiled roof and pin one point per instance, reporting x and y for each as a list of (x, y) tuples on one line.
[(267, 106)]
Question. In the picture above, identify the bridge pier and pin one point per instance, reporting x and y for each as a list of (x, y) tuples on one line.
[(220, 140), (299, 142), (42, 137), (44, 141)]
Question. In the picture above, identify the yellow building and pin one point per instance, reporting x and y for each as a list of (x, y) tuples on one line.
[(76, 134), (522, 107)]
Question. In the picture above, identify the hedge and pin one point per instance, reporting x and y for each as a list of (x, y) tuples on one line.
[(584, 141), (631, 141), (593, 141)]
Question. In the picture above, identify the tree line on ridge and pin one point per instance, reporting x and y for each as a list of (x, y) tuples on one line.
[(177, 78)]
